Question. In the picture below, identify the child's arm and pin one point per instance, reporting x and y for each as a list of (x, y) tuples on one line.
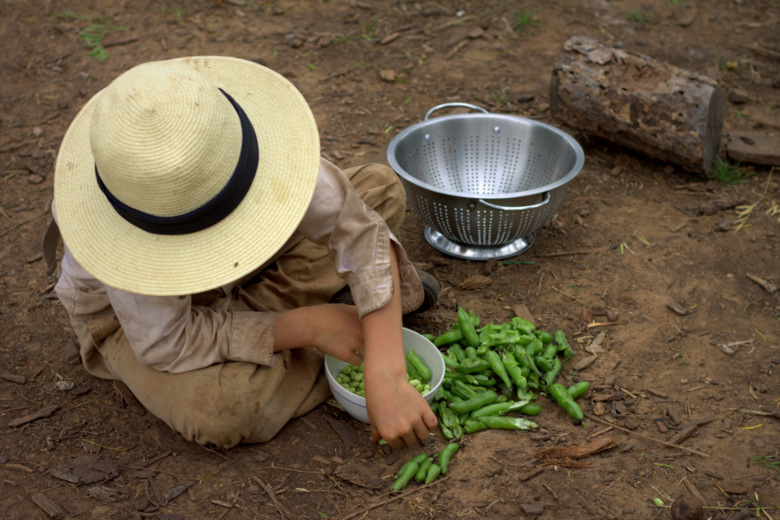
[(397, 411)]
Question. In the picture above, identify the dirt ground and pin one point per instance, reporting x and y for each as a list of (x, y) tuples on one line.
[(657, 267)]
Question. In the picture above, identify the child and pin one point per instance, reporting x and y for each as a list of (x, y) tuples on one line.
[(204, 238)]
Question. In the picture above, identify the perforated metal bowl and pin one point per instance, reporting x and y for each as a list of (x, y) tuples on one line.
[(484, 183)]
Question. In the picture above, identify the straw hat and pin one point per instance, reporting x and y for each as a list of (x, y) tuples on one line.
[(185, 175)]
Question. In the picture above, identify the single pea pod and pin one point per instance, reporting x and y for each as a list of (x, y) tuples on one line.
[(498, 408), (478, 401), (497, 366), (473, 426), (530, 409), (446, 456), (418, 459), (545, 336), (429, 337), (562, 397), (578, 389), (450, 421), (407, 473), (411, 371), (552, 374), (563, 345), (467, 328), (422, 471), (457, 352), (470, 352), (434, 470), (501, 422), (448, 338), (419, 364), (472, 366)]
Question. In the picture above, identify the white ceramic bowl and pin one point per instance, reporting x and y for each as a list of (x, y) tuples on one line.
[(356, 405)]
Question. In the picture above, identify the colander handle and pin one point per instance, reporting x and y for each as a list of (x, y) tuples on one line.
[(547, 198), (456, 104)]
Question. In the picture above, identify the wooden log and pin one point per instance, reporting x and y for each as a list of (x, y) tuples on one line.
[(638, 102)]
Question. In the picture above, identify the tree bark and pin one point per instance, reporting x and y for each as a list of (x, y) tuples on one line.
[(635, 101)]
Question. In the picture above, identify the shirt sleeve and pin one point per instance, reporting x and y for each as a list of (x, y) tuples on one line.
[(169, 333), (359, 243)]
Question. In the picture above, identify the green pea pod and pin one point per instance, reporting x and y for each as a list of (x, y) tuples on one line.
[(498, 408), (456, 351), (534, 348), (500, 422), (449, 362), (530, 409), (562, 397), (448, 338), (563, 345), (552, 375), (419, 364), (462, 390), (473, 425), (549, 351), (429, 337), (422, 471), (578, 389), (434, 470), (545, 336), (544, 364), (451, 421), (497, 366), (470, 352), (446, 456), (418, 459), (513, 370), (406, 475), (482, 380), (411, 371), (467, 328), (522, 325), (474, 403), (473, 365)]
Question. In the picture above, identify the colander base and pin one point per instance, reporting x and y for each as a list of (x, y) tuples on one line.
[(481, 253)]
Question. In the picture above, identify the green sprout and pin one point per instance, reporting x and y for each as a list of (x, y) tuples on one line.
[(726, 172), (523, 20)]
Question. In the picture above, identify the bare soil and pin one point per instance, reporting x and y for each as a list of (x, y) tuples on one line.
[(667, 266)]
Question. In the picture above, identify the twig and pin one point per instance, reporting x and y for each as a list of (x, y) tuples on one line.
[(646, 437), (279, 507), (20, 224), (567, 253), (570, 296), (393, 497), (601, 432)]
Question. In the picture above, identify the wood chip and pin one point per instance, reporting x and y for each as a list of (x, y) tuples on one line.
[(676, 307), (683, 434), (345, 431), (765, 284), (49, 507), (14, 378), (578, 452), (531, 474), (40, 414), (477, 281), (584, 363)]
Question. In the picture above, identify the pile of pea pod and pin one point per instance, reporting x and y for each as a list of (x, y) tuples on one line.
[(497, 369)]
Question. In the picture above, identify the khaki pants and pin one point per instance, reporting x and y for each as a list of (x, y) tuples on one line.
[(236, 402)]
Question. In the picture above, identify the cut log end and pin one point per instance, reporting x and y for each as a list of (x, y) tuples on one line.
[(635, 101)]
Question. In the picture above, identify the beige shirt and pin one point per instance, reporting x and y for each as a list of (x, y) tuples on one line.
[(174, 334)]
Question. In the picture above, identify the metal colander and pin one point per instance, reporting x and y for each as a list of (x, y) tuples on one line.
[(484, 183)]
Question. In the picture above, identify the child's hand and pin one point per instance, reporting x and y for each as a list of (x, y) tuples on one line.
[(333, 329), (397, 411)]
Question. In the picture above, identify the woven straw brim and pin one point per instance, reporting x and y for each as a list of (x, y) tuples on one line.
[(125, 257)]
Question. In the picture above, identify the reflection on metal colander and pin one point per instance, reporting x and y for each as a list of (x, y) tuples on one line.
[(484, 183)]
